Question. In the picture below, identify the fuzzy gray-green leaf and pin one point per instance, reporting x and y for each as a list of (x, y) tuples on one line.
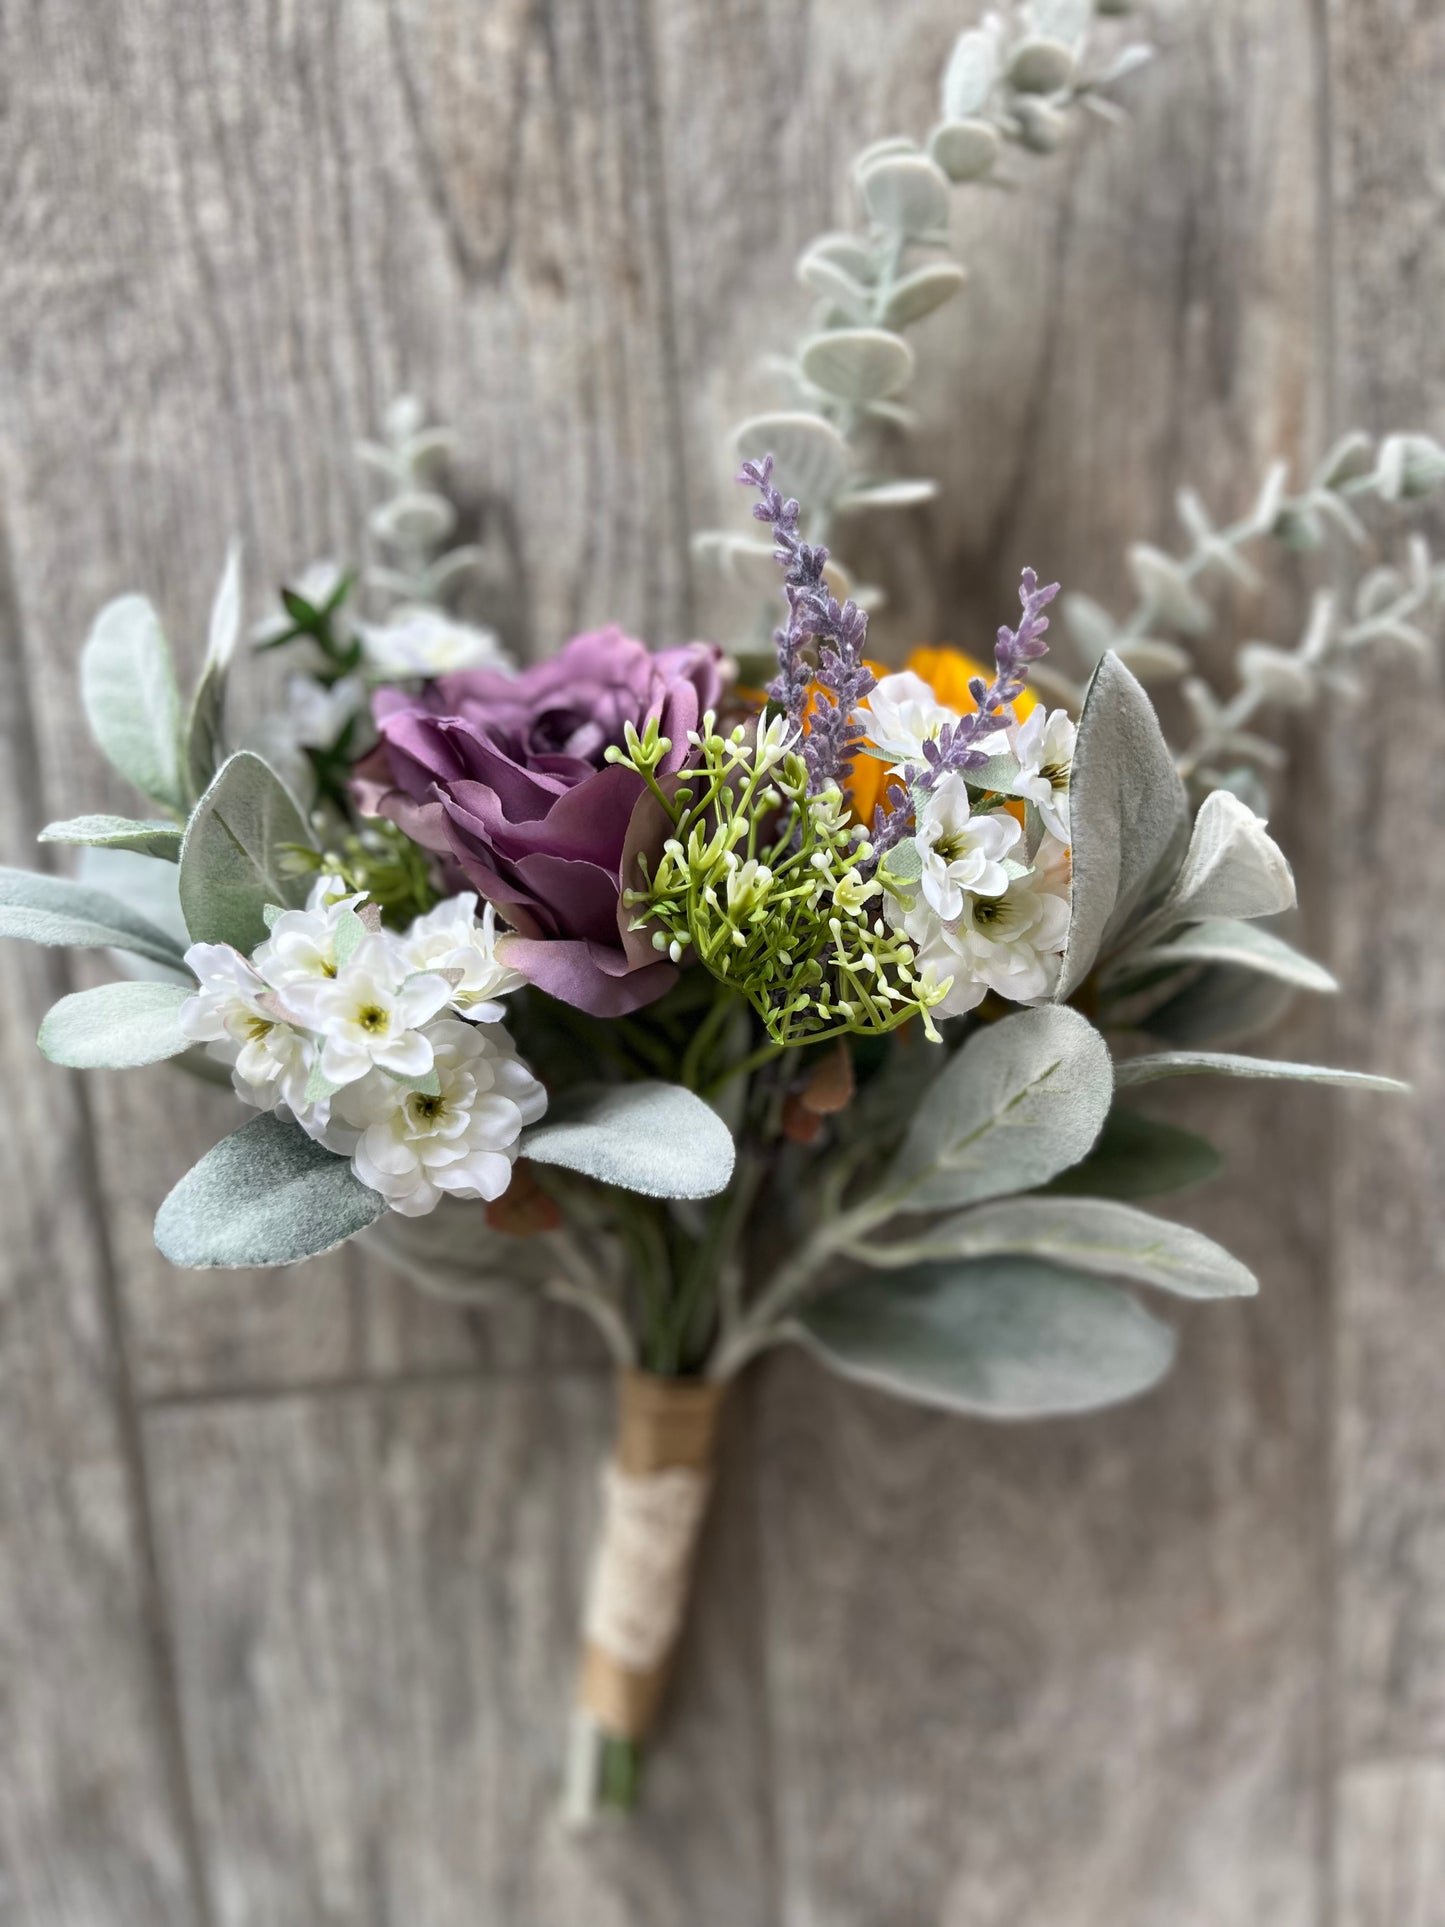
[(1008, 1338), (53, 910), (233, 861), (1200, 1063), (149, 838), (1232, 867), (1129, 814), (656, 1139), (1097, 1235), (265, 1195), (115, 1026), (204, 742), (128, 688), (1224, 940), (1019, 1103)]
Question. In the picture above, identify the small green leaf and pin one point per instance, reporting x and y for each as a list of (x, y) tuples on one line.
[(972, 72), (115, 1026), (350, 931), (810, 458), (901, 494), (1008, 1338), (150, 838), (128, 687), (1138, 1157), (233, 861), (53, 910), (657, 1139), (266, 1195)]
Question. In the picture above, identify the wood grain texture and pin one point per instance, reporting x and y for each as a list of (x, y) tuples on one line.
[(231, 238), (93, 1808), (378, 1665), (1111, 1704), (1387, 68), (1392, 1845), (942, 1673)]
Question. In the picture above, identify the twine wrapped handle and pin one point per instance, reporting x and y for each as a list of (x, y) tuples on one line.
[(655, 1493)]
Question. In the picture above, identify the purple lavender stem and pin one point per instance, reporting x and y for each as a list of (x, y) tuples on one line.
[(840, 680), (956, 747)]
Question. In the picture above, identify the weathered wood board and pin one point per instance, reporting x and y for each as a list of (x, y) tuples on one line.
[(289, 1565)]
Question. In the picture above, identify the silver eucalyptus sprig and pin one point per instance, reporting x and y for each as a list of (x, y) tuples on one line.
[(414, 519), (1390, 603), (1013, 81)]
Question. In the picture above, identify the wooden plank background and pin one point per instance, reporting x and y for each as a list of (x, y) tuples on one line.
[(289, 1565)]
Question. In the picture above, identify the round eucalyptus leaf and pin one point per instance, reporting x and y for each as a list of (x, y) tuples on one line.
[(857, 364), (1041, 66), (919, 293), (965, 149), (907, 193), (828, 280), (810, 458)]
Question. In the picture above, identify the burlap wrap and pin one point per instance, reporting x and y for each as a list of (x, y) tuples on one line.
[(655, 1492)]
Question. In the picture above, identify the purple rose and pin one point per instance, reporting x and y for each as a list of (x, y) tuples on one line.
[(506, 775)]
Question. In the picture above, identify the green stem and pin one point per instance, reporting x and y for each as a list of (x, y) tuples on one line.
[(745, 1066)]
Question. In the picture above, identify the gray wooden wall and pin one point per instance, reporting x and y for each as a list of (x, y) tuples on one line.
[(289, 1564)]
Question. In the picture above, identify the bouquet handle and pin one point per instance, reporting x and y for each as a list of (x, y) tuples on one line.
[(655, 1489)]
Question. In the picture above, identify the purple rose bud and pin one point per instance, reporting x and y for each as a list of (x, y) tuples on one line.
[(507, 775)]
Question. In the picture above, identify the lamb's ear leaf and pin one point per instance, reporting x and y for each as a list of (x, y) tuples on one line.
[(233, 861), (1226, 940), (204, 740), (53, 910), (149, 838), (1129, 814), (1138, 1157), (654, 1138), (115, 1026), (1003, 1338), (265, 1195), (1200, 1063), (1232, 868), (1022, 1101), (1097, 1235), (128, 689)]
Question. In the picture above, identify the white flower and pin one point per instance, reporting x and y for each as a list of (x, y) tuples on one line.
[(237, 1014), (301, 948), (422, 641), (902, 714), (316, 584), (371, 1013), (413, 1147), (317, 715), (450, 938), (1044, 746), (961, 851), (1012, 944)]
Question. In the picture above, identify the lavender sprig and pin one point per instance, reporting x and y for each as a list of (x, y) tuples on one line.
[(840, 679), (956, 747)]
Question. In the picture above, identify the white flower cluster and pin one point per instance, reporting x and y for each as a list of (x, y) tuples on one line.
[(983, 910), (388, 1049)]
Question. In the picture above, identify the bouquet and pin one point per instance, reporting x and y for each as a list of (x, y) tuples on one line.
[(735, 996)]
